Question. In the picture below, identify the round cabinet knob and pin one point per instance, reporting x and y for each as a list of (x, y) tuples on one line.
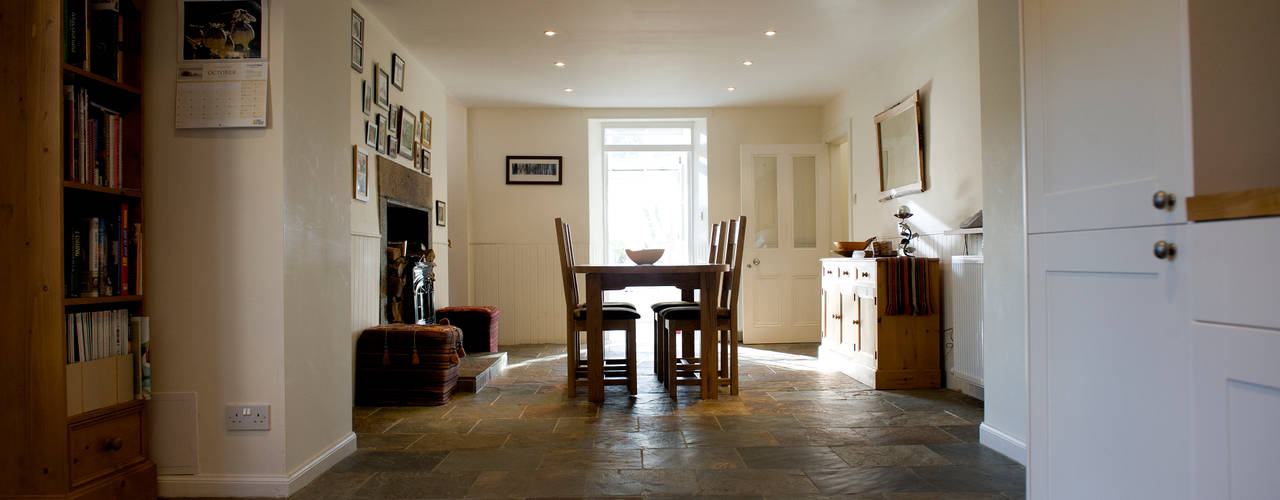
[(1163, 200), (755, 261), (1164, 250), (865, 275)]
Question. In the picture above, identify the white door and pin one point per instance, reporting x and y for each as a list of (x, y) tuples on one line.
[(787, 232), (1107, 112), (1108, 357)]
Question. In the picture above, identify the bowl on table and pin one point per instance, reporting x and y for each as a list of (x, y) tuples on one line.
[(645, 256), (847, 248)]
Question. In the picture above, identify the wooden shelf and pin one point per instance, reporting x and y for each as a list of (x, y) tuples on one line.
[(117, 299), (101, 80), (131, 193), (1234, 205)]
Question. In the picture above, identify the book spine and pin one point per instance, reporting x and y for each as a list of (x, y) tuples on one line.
[(145, 345), (93, 258), (117, 146), (73, 263), (124, 249)]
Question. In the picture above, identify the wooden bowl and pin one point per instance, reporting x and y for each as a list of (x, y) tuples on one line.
[(846, 248), (645, 256)]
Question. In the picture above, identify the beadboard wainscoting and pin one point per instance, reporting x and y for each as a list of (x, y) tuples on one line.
[(366, 277), (523, 281), (943, 247)]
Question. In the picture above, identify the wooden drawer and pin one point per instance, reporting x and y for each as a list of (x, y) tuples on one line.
[(105, 442), (865, 273), (136, 483)]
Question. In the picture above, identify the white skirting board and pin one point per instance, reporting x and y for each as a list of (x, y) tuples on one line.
[(1005, 444), (250, 485)]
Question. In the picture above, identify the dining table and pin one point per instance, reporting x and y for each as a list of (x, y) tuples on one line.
[(688, 277)]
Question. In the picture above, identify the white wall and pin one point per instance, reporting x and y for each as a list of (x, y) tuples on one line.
[(942, 62), (1004, 297), (458, 212), (517, 219)]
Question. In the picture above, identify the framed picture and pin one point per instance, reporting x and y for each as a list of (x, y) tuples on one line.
[(366, 96), (360, 163), (357, 56), (380, 90), (393, 117), (424, 160), (382, 133), (357, 27), (425, 125), (371, 134), (214, 30), (393, 144), (535, 170), (440, 216), (397, 71), (407, 138)]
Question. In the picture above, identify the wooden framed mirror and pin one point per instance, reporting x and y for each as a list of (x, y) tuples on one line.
[(901, 147)]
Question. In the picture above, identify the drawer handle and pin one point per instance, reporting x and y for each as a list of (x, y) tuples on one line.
[(113, 444), (865, 275), (855, 322), (845, 273), (828, 271), (835, 316)]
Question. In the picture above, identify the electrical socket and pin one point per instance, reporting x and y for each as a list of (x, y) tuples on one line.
[(248, 417)]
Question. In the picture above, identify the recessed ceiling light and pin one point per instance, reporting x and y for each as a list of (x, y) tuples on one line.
[(731, 89), (770, 33), (549, 33), (568, 89), (559, 64), (747, 62)]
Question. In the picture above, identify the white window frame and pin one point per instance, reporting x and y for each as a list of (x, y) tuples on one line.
[(690, 181)]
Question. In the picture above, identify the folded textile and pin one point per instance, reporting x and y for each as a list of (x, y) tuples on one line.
[(907, 287)]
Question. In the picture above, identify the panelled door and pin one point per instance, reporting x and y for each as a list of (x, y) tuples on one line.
[(787, 226)]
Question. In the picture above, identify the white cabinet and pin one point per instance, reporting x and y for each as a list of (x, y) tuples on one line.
[(1108, 357)]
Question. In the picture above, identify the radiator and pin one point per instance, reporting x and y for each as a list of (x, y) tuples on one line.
[(966, 311)]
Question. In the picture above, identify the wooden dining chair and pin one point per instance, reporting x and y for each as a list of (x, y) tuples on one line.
[(716, 241), (687, 370), (617, 317)]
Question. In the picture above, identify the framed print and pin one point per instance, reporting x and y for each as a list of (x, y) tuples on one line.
[(366, 96), (424, 160), (393, 144), (535, 170), (382, 133), (393, 117), (216, 30), (425, 125), (357, 27), (397, 71), (440, 216), (371, 134), (380, 91), (360, 164), (357, 56), (407, 138)]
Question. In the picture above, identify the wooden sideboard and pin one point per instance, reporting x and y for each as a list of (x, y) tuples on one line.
[(859, 336)]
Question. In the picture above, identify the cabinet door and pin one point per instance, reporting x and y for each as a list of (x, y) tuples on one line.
[(830, 317), (869, 321), (1107, 112), (1108, 358), (851, 322)]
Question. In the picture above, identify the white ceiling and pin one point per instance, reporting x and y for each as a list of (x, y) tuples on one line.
[(650, 53)]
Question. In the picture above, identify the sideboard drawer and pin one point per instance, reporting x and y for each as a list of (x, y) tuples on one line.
[(105, 444)]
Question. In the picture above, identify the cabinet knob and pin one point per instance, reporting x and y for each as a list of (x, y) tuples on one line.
[(113, 444), (865, 274), (844, 273), (1164, 250), (835, 316), (855, 322), (1163, 200)]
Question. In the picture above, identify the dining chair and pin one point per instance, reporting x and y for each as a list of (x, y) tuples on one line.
[(716, 244), (687, 370), (617, 317)]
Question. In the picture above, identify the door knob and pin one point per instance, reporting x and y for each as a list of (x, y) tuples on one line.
[(1163, 200), (755, 261), (1164, 250)]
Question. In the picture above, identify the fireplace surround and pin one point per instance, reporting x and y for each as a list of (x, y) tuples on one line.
[(405, 219)]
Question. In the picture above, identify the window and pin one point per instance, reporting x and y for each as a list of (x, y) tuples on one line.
[(649, 189)]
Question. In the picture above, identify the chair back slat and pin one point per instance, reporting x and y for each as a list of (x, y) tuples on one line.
[(735, 267), (714, 243), (729, 248), (573, 276), (720, 240), (567, 277)]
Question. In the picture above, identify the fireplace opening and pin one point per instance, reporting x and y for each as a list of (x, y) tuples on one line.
[(409, 278)]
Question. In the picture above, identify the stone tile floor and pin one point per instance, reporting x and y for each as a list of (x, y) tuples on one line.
[(797, 430)]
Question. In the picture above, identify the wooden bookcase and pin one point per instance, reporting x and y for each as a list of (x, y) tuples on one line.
[(72, 429)]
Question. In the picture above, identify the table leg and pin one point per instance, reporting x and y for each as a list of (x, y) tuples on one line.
[(710, 352), (595, 340)]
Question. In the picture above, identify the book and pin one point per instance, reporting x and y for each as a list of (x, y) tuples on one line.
[(94, 283), (75, 13), (141, 331), (124, 249), (104, 38)]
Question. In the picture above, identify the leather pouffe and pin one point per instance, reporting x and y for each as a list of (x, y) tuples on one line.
[(408, 365)]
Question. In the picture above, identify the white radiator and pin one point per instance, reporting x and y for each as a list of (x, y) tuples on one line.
[(966, 311)]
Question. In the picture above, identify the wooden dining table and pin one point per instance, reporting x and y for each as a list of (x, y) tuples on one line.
[(687, 277)]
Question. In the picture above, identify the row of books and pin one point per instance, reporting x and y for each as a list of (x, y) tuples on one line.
[(97, 334), (91, 33), (93, 132), (100, 251)]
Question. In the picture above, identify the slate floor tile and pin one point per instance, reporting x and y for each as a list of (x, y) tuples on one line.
[(389, 461), (906, 435), (490, 460), (591, 459), (535, 483), (754, 482), (868, 480), (444, 441), (693, 458), (641, 482), (730, 439), (791, 457), (889, 456), (416, 485), (639, 440)]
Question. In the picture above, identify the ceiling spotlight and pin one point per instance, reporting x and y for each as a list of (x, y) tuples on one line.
[(731, 89), (568, 89), (770, 33), (559, 64), (747, 62), (549, 33)]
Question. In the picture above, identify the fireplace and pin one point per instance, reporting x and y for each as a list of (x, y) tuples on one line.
[(408, 279)]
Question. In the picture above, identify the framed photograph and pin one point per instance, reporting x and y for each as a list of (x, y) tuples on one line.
[(425, 125), (360, 164), (366, 97), (357, 27), (357, 56), (440, 216), (214, 30), (381, 92), (407, 138), (424, 160), (535, 170), (393, 117), (371, 134), (393, 144), (382, 134), (397, 71)]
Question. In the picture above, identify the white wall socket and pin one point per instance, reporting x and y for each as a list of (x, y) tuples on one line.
[(248, 417)]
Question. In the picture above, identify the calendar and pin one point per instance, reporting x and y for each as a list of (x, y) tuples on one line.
[(221, 95)]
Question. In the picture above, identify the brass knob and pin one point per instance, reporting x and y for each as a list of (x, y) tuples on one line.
[(835, 316), (1163, 200), (1164, 250), (114, 444), (866, 275), (844, 273)]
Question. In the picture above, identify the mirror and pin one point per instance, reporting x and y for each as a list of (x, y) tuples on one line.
[(901, 149)]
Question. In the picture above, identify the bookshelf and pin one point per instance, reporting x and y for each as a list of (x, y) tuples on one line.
[(71, 273)]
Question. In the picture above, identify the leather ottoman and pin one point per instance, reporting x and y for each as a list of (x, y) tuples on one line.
[(407, 364), (479, 326)]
